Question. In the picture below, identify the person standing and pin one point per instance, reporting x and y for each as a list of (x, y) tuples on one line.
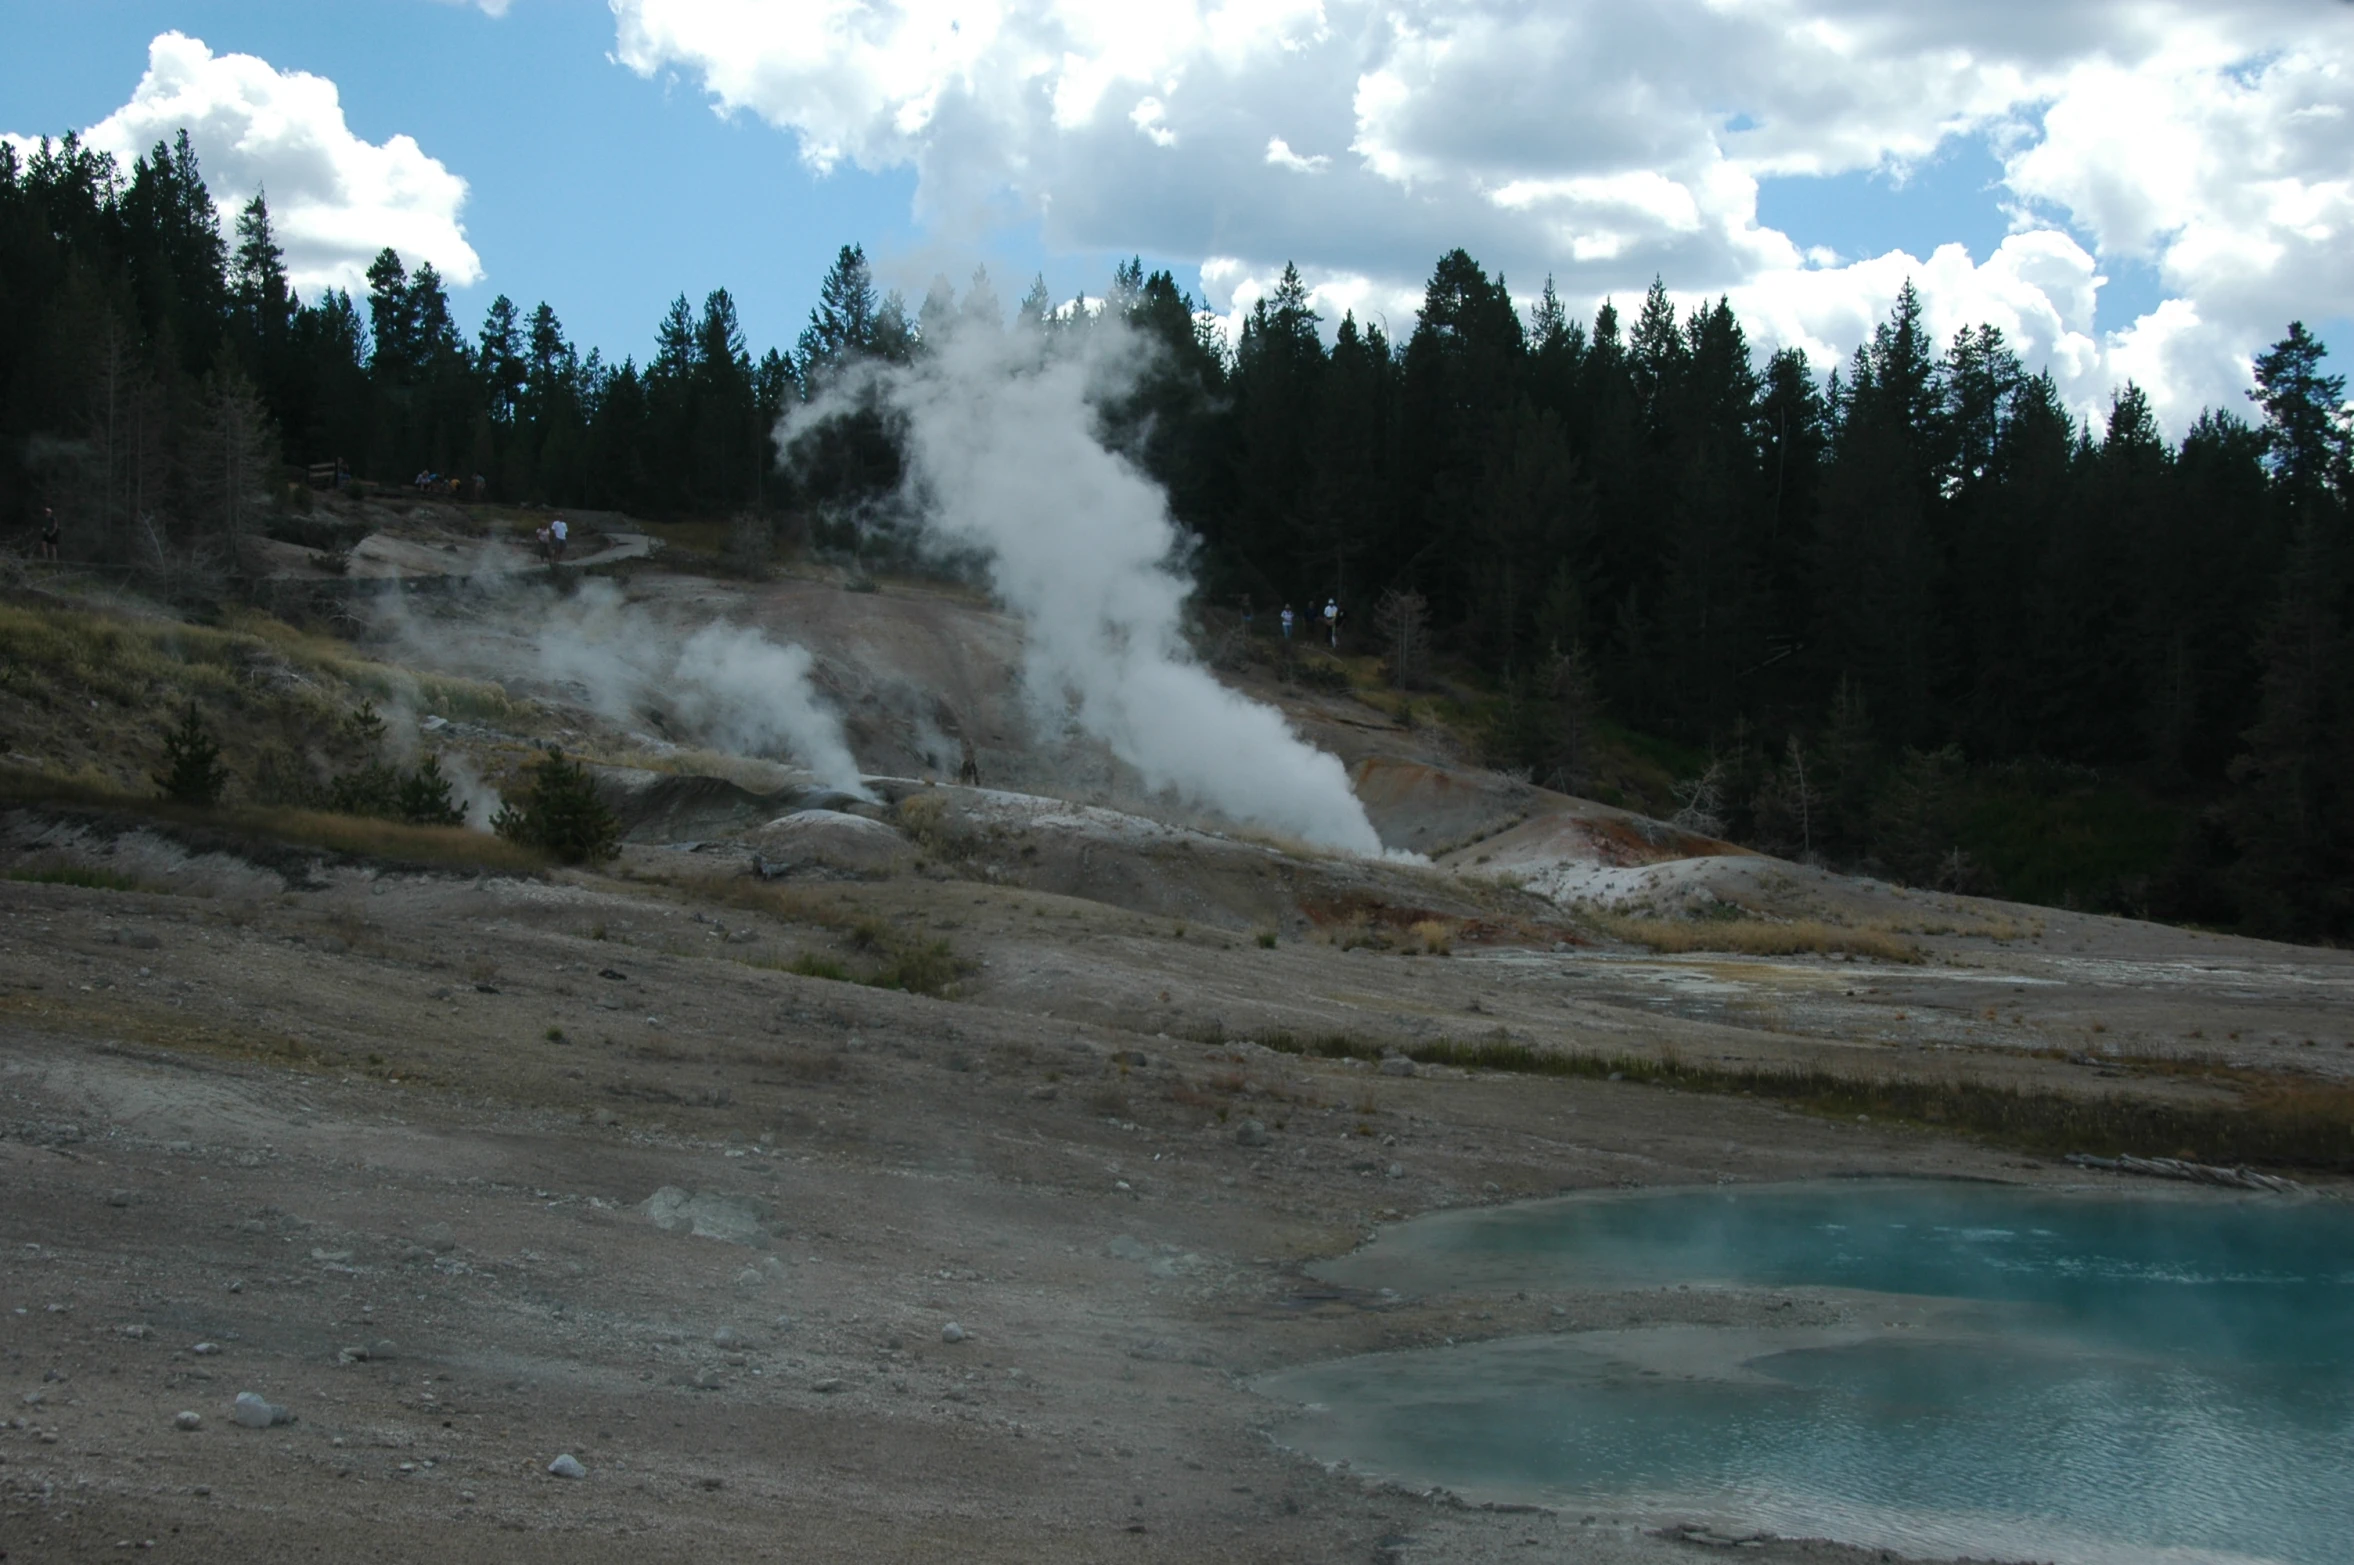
[(1332, 622), (558, 536), (1286, 617), (49, 534)]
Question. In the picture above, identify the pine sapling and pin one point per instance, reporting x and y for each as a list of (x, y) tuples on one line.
[(192, 772)]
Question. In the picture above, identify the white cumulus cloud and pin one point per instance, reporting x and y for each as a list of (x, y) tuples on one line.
[(1604, 143), (335, 199)]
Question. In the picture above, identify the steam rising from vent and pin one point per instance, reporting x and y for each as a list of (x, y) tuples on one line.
[(1004, 463), (728, 683)]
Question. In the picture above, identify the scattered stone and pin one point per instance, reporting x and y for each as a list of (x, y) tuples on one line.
[(828, 1386), (1397, 1171), (1250, 1133), (189, 1420), (706, 1380), (614, 973), (380, 1350), (1126, 1248), (437, 1237), (357, 1353), (952, 1332), (727, 1337), (255, 1413), (1397, 1065), (118, 1198), (567, 1466), (205, 1350), (138, 1333)]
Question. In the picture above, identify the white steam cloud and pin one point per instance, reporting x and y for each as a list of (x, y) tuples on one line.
[(1005, 463), (729, 683)]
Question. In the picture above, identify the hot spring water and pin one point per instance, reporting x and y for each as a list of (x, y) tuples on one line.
[(2066, 1375)]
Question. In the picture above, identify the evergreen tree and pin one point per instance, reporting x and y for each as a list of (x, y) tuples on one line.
[(424, 797), (262, 304), (192, 773), (843, 324), (560, 813), (2292, 806)]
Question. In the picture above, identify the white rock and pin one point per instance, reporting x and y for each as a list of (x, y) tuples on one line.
[(567, 1466), (187, 1420), (952, 1332), (256, 1413)]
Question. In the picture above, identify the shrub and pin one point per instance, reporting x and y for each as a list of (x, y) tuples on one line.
[(192, 772), (372, 789), (560, 812)]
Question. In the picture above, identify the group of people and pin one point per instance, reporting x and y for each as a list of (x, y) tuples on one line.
[(432, 483), (1330, 616), (553, 540)]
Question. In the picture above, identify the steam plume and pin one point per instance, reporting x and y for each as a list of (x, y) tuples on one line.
[(1005, 463), (729, 683)]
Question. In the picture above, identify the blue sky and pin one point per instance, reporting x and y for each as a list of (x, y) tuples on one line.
[(2071, 142)]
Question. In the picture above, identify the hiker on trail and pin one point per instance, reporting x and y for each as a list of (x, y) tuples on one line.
[(558, 534), (968, 770), (1332, 621), (546, 549), (49, 535), (1287, 622)]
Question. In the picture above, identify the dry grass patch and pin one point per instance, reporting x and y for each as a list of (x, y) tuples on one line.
[(354, 836), (1760, 937), (2267, 1120)]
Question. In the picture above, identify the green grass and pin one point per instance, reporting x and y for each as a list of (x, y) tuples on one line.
[(2276, 1122), (86, 879), (810, 965)]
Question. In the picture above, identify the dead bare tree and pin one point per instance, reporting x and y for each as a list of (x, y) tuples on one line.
[(232, 458), (1579, 701), (1700, 803), (1402, 618)]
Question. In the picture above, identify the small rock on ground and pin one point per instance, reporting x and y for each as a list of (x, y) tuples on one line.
[(567, 1466)]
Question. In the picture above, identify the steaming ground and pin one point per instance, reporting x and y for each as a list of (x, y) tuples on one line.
[(468, 1172)]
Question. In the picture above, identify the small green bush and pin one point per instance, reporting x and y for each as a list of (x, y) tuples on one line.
[(560, 813), (809, 965)]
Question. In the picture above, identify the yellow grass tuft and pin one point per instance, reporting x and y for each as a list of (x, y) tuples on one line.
[(1759, 937)]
